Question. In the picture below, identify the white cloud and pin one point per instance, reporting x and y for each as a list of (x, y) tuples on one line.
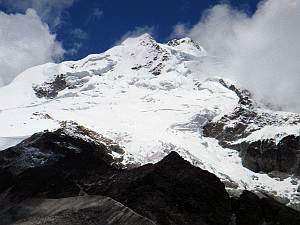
[(137, 31), (262, 52), (49, 10), (25, 41)]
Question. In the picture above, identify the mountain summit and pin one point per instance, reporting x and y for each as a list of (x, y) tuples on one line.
[(152, 99)]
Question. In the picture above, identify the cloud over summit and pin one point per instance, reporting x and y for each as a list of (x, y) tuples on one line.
[(261, 52)]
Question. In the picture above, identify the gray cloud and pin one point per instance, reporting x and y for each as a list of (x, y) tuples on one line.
[(25, 41), (261, 52)]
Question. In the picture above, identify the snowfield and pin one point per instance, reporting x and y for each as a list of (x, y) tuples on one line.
[(145, 96)]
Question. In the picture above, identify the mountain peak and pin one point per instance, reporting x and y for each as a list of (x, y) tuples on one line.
[(150, 98), (145, 36), (187, 45), (139, 39), (172, 157), (175, 42)]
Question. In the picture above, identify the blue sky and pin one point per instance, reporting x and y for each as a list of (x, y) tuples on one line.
[(116, 18), (92, 26)]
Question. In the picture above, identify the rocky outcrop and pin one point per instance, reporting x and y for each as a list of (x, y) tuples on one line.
[(267, 156), (75, 171), (263, 155), (243, 115), (246, 118), (50, 89)]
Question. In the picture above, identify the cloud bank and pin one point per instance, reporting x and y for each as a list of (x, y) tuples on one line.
[(50, 11), (25, 41), (261, 52)]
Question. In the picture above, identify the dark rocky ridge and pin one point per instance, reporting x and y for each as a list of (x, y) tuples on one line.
[(52, 164), (179, 192), (171, 191)]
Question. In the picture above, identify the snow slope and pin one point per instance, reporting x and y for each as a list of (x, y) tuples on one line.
[(145, 96)]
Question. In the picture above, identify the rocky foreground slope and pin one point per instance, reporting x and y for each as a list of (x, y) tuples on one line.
[(64, 182)]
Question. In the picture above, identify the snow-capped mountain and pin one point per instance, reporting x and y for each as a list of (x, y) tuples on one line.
[(150, 99)]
